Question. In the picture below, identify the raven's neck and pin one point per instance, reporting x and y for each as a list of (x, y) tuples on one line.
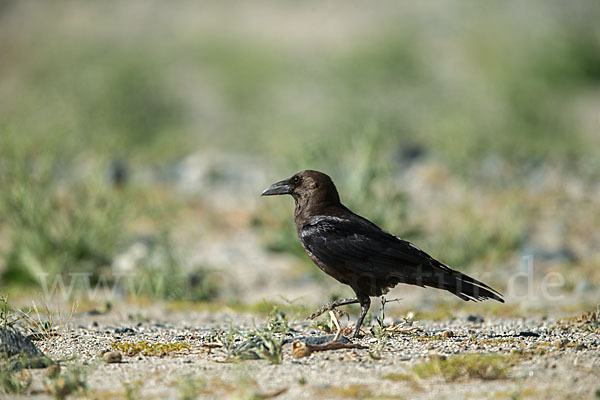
[(310, 207)]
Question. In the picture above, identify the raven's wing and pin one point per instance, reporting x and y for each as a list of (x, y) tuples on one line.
[(378, 260)]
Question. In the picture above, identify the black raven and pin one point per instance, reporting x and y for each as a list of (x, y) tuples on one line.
[(358, 253)]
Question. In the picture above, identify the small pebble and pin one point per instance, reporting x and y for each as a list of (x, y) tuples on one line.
[(475, 318), (111, 357), (561, 343), (448, 334)]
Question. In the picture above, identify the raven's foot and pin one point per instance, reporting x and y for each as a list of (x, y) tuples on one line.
[(332, 306), (326, 307), (356, 333)]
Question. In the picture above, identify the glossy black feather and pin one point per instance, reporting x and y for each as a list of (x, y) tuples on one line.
[(348, 245)]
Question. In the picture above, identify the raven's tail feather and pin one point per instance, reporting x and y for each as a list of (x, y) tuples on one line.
[(440, 276), (468, 288)]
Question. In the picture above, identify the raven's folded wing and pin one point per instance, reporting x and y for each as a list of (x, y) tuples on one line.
[(379, 260)]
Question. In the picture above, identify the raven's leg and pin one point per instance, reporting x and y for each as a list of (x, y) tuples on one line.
[(365, 303), (333, 305)]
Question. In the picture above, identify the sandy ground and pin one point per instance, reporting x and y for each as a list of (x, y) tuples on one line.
[(552, 358)]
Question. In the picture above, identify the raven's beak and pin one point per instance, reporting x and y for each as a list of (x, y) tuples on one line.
[(281, 187)]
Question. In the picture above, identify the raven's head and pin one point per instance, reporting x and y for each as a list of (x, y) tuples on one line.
[(306, 186)]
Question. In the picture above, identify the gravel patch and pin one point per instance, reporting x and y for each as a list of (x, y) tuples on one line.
[(550, 358)]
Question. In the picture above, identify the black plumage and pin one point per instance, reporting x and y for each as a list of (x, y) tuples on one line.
[(358, 253)]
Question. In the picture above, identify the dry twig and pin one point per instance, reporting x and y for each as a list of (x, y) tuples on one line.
[(301, 349)]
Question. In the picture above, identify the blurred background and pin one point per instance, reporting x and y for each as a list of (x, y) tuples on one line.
[(136, 137)]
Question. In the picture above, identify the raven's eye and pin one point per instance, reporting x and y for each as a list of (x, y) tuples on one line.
[(295, 180)]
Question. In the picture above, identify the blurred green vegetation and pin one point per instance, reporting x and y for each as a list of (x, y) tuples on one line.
[(57, 229), (490, 91)]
